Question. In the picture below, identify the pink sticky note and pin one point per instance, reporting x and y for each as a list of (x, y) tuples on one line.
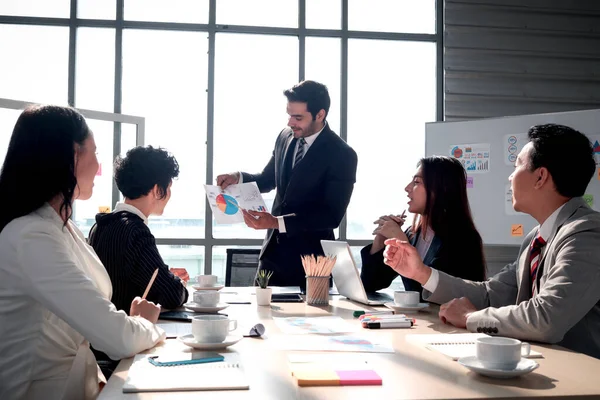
[(360, 377), (469, 182)]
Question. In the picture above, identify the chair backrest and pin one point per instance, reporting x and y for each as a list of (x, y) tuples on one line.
[(241, 267)]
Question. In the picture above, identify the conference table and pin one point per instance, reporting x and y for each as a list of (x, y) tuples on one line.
[(411, 372)]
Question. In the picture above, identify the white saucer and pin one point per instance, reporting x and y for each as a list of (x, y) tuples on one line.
[(198, 308), (198, 287), (189, 340), (524, 366), (407, 309)]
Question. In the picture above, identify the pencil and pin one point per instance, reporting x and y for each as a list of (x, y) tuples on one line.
[(150, 283)]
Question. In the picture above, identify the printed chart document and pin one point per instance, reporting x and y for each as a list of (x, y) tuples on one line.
[(305, 325), (227, 204), (345, 343)]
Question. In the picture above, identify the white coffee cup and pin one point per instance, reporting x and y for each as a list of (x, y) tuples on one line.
[(207, 299), (212, 328), (206, 280), (499, 352), (406, 298)]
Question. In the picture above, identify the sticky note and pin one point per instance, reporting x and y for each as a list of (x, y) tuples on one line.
[(104, 209), (360, 377), (469, 182), (589, 199), (516, 230)]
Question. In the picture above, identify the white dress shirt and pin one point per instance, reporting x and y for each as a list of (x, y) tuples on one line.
[(131, 209), (55, 300), (544, 231), (424, 242), (309, 141)]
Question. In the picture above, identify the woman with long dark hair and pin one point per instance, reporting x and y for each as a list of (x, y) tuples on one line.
[(54, 291), (443, 230)]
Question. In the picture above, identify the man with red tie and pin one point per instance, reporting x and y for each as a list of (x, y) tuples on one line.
[(551, 293)]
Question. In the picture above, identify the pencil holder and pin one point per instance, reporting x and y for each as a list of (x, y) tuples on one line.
[(317, 290)]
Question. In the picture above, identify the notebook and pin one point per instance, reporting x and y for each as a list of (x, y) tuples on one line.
[(145, 377), (318, 371), (455, 345)]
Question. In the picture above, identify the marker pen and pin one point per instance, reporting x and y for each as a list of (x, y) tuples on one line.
[(387, 324), (387, 318), (364, 314)]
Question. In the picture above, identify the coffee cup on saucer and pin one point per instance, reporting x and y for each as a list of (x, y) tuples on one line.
[(212, 328), (207, 298), (406, 298), (499, 352), (206, 280)]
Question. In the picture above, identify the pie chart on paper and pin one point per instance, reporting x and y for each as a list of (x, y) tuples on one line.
[(227, 204)]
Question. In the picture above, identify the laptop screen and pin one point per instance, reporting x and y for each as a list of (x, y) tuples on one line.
[(345, 273)]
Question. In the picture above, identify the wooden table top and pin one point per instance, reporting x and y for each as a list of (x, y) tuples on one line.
[(412, 372)]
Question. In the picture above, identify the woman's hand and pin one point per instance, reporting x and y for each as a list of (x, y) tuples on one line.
[(145, 309), (391, 229), (388, 226), (399, 219)]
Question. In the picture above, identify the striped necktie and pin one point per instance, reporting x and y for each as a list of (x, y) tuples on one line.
[(299, 152), (535, 254)]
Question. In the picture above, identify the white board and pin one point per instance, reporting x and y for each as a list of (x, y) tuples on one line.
[(488, 185)]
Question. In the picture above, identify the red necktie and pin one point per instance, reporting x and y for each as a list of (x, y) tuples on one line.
[(534, 260)]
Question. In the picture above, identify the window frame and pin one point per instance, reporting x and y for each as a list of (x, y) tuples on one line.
[(301, 32)]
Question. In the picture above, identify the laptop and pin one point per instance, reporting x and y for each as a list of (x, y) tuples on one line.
[(346, 275)]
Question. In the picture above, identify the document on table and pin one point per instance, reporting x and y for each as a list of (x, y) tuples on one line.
[(346, 343), (306, 325), (454, 345), (176, 329)]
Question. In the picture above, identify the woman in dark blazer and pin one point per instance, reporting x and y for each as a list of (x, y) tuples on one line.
[(443, 230)]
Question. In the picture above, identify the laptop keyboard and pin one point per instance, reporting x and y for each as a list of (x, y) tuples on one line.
[(375, 296)]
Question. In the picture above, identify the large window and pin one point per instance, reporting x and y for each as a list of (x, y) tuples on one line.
[(250, 106), (210, 82), (34, 63), (164, 80), (387, 112)]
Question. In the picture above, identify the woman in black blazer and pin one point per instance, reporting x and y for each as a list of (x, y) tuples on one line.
[(443, 230)]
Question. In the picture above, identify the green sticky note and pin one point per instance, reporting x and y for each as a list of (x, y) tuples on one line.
[(589, 199)]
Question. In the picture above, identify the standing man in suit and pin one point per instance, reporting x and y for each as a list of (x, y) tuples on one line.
[(551, 293), (313, 171)]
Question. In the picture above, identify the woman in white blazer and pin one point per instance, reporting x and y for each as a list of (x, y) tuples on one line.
[(54, 291)]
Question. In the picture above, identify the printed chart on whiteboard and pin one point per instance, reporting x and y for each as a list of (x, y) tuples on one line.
[(227, 204), (512, 147), (596, 144), (474, 157)]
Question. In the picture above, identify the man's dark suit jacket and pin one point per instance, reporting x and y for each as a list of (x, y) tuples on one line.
[(317, 190)]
